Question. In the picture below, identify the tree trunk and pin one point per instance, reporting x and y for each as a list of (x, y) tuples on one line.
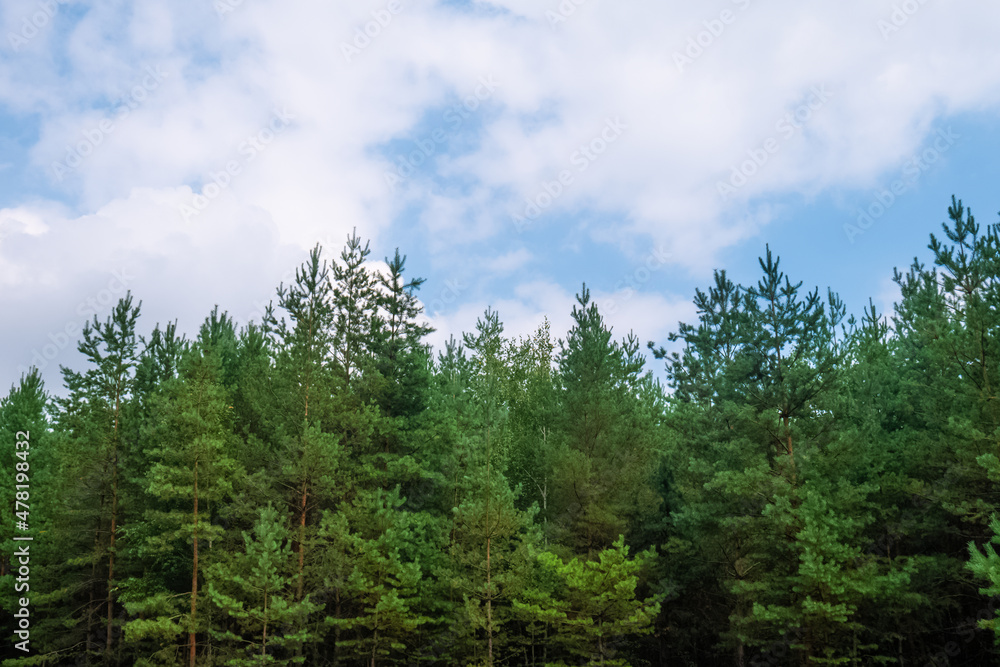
[(489, 606), (263, 640), (194, 572), (111, 549), (114, 519), (302, 542)]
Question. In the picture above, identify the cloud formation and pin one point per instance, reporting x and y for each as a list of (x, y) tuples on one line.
[(284, 123)]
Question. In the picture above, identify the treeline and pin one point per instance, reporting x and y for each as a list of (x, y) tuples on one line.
[(320, 488)]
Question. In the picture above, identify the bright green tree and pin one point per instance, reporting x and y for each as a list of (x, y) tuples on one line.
[(376, 585), (594, 604), (257, 588)]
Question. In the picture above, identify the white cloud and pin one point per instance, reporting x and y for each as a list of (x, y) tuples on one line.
[(557, 87), (508, 263), (686, 129)]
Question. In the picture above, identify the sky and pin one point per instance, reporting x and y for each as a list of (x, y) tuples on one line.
[(192, 151)]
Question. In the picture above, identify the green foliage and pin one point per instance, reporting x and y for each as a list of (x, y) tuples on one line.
[(374, 580), (605, 446), (594, 604), (255, 589), (318, 488), (191, 470), (94, 419)]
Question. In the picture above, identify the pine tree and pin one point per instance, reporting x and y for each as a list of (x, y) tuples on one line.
[(594, 604), (304, 349), (791, 346), (376, 584), (30, 500), (487, 388), (22, 412), (356, 301), (490, 558), (760, 372), (400, 355), (192, 469), (257, 588), (602, 464), (93, 415)]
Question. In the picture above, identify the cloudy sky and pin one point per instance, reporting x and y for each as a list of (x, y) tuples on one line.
[(191, 151)]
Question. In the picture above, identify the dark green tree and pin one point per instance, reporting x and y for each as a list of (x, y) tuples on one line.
[(92, 415), (192, 471), (602, 464)]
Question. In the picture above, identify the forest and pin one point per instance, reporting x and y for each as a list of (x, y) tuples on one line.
[(323, 488)]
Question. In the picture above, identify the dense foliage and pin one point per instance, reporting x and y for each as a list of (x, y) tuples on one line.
[(320, 489)]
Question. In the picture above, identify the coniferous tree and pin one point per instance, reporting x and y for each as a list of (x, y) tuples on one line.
[(594, 604), (601, 468), (378, 584), (257, 588), (30, 499), (401, 356), (317, 489), (92, 414), (192, 469), (22, 411), (356, 300), (304, 367)]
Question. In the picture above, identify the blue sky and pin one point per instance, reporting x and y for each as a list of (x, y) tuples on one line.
[(191, 151)]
